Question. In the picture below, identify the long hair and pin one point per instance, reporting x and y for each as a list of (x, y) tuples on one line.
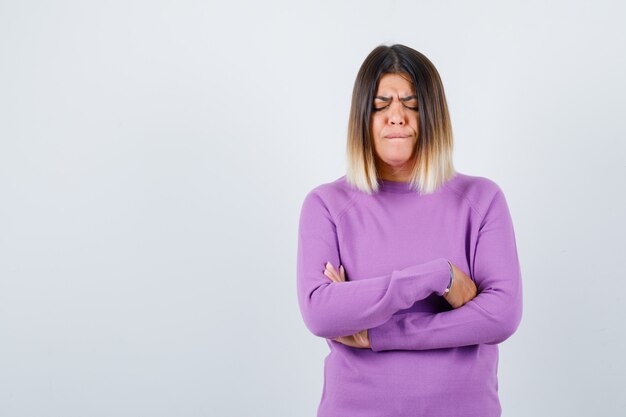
[(433, 154)]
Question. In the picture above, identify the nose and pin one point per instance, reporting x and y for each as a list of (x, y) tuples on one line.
[(397, 116)]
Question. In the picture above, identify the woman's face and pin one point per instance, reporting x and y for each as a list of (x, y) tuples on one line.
[(394, 126)]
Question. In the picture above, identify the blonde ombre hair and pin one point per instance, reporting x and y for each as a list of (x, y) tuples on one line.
[(433, 154)]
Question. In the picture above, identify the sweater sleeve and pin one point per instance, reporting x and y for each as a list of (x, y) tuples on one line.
[(332, 309), (490, 318)]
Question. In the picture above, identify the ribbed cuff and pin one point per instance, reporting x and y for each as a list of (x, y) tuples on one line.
[(435, 274)]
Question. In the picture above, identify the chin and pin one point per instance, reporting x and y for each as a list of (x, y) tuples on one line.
[(396, 160), (396, 163)]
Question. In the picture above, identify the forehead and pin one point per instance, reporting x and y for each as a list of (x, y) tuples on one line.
[(395, 83)]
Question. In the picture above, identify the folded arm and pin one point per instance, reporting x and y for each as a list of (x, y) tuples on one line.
[(333, 309), (490, 318)]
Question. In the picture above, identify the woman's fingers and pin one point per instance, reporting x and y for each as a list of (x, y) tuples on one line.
[(354, 341), (362, 338), (347, 340), (463, 289), (332, 273)]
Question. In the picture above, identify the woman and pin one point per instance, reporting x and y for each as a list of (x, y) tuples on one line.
[(406, 267)]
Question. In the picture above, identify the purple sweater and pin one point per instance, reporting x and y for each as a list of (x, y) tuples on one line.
[(426, 358)]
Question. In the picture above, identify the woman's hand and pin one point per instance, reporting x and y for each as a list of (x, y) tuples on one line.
[(357, 340), (332, 273), (463, 289)]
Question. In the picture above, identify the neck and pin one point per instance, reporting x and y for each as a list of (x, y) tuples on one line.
[(390, 173)]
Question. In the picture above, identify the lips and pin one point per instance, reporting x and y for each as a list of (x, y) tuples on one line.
[(396, 136)]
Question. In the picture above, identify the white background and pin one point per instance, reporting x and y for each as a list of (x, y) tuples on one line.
[(154, 156)]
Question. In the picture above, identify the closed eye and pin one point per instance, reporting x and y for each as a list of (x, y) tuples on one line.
[(378, 108), (409, 102)]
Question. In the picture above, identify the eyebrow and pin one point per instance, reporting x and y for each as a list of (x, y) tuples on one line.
[(381, 98)]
